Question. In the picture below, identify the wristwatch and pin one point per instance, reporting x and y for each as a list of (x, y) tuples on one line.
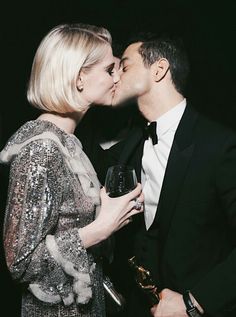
[(191, 310)]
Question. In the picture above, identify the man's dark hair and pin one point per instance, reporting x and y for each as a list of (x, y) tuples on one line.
[(172, 48)]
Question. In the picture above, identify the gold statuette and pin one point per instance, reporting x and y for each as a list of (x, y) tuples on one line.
[(144, 281)]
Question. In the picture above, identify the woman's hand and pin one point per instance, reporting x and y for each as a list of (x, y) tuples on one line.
[(117, 212), (114, 214)]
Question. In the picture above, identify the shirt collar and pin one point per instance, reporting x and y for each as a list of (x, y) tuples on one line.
[(170, 119)]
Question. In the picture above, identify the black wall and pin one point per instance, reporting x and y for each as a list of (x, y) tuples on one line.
[(207, 27)]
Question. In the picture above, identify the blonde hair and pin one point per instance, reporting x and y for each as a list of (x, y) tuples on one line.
[(61, 55)]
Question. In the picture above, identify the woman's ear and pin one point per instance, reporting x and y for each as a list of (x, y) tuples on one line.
[(160, 69), (79, 83)]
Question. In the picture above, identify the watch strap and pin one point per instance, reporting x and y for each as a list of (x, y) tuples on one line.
[(191, 310)]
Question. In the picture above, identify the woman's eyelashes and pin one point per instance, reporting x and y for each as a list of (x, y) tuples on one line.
[(110, 69)]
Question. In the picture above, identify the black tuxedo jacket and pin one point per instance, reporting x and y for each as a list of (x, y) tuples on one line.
[(191, 244)]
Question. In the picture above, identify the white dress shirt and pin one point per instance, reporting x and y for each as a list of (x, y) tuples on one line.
[(155, 159)]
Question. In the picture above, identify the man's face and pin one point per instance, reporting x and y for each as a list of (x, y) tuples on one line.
[(135, 78)]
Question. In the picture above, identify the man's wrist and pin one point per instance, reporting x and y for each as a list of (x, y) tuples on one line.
[(193, 309), (195, 303)]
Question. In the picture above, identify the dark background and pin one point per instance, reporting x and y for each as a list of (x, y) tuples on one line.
[(208, 29)]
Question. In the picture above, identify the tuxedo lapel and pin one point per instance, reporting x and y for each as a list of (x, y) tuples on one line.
[(179, 158)]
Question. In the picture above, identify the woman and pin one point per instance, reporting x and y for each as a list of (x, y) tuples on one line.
[(50, 225)]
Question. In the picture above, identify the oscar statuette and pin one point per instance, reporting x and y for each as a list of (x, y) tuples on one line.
[(144, 281)]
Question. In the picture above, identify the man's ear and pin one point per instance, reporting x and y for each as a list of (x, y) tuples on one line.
[(160, 69)]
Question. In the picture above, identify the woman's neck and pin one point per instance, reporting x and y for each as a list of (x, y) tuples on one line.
[(66, 122)]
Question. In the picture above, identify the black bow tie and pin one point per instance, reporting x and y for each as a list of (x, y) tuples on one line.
[(151, 131)]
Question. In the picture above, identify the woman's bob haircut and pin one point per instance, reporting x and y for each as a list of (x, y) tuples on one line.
[(59, 59)]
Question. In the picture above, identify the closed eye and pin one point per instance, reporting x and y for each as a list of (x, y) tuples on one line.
[(110, 69), (124, 69)]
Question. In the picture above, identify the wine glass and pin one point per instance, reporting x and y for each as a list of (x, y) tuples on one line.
[(120, 179)]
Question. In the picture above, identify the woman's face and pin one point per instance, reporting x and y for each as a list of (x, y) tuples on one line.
[(99, 82)]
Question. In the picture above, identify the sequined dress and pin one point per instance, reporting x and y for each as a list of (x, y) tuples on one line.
[(53, 191)]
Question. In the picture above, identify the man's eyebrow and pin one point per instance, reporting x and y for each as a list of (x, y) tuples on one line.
[(122, 60)]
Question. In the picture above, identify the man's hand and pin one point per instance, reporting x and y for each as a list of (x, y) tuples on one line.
[(170, 305)]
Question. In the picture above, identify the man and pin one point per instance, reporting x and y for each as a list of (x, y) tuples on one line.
[(187, 238), (188, 235)]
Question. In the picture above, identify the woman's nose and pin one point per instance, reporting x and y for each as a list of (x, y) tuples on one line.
[(116, 76)]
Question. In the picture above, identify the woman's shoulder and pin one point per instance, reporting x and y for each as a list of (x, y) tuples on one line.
[(33, 135)]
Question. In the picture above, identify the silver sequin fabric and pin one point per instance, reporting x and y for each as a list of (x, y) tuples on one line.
[(53, 191)]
